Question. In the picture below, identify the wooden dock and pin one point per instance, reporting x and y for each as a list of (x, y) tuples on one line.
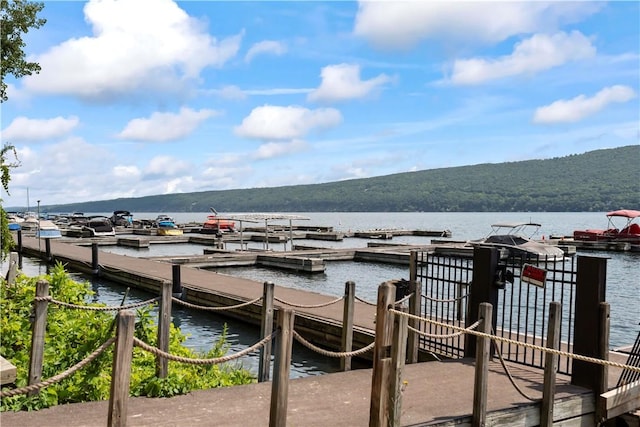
[(436, 393)]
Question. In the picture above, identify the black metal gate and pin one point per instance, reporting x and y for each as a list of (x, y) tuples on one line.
[(521, 311)]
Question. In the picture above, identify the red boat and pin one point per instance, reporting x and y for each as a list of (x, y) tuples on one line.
[(622, 227), (214, 223)]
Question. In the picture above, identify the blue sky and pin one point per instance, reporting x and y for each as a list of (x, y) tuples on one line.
[(143, 97)]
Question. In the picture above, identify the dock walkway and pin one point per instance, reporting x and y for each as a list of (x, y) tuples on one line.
[(435, 392), (206, 282)]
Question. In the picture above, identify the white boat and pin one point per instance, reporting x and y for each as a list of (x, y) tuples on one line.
[(99, 226), (509, 237), (517, 237), (47, 230)]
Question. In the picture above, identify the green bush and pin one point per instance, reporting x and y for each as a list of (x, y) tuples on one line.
[(73, 334)]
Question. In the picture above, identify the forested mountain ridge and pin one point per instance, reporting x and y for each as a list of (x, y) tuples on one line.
[(599, 180)]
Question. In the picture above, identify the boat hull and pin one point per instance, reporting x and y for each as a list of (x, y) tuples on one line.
[(169, 232)]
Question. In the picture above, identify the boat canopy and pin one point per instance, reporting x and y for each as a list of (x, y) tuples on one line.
[(515, 224), (627, 213)]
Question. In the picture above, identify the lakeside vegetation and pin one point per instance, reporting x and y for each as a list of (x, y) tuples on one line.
[(595, 181), (73, 334)]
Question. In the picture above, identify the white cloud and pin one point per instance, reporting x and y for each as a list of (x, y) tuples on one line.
[(126, 172), (229, 92), (52, 172), (165, 126), (401, 25), (576, 109), (271, 122), (342, 82), (277, 149), (538, 53), (25, 129), (163, 166), (265, 47), (137, 44)]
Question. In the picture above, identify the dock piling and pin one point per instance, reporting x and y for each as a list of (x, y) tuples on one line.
[(266, 328), (19, 232), (347, 324), (379, 410), (176, 280), (281, 369), (551, 365), (37, 336), (164, 326), (95, 265), (47, 249), (483, 347), (121, 373)]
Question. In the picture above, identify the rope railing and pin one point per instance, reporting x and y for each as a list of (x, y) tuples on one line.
[(406, 298), (209, 308), (328, 353), (446, 336), (57, 378), (364, 301), (97, 308), (432, 299), (400, 301), (508, 372), (212, 361), (520, 343), (325, 304)]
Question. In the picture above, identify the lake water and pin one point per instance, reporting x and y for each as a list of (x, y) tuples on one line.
[(623, 272)]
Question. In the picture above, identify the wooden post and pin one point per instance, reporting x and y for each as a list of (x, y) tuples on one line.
[(483, 347), (121, 372), (37, 335), (379, 410), (176, 279), (164, 327), (281, 369), (551, 365), (347, 324), (47, 249), (12, 272), (591, 280), (415, 308), (398, 356), (485, 264), (95, 265), (266, 328)]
